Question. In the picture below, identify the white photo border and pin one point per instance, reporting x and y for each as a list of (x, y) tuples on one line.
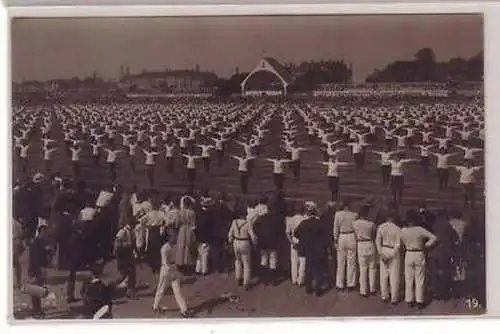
[(491, 12)]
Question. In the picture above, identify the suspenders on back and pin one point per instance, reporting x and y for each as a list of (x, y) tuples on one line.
[(239, 227)]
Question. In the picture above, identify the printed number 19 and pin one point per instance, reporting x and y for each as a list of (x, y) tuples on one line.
[(472, 303)]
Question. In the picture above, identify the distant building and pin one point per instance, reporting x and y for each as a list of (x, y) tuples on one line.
[(170, 81), (269, 77), (34, 87)]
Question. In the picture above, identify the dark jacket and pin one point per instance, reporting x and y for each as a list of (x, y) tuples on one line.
[(269, 229), (40, 254), (78, 255), (446, 239), (427, 219), (313, 241), (223, 219), (205, 226)]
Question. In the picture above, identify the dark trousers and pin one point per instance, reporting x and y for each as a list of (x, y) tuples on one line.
[(409, 142), (424, 162), (244, 182), (386, 174), (296, 170), (250, 168), (358, 159), (220, 157), (397, 184), (76, 169), (440, 277), (333, 186), (469, 196), (314, 275), (112, 170), (206, 165), (325, 156), (29, 226), (191, 176), (96, 159), (17, 271), (279, 180), (24, 166), (258, 149), (219, 256), (443, 175), (128, 271), (70, 286), (36, 302), (389, 143), (150, 173), (48, 165), (170, 165)]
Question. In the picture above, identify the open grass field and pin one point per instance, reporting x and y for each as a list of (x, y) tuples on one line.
[(285, 300), (312, 185)]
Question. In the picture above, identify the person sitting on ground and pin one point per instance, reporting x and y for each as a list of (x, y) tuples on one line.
[(97, 296)]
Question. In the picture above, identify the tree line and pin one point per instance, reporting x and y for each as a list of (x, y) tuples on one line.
[(425, 68)]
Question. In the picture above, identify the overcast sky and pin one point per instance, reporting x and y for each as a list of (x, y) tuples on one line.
[(61, 48)]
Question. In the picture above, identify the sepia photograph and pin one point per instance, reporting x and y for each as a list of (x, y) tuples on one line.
[(247, 167)]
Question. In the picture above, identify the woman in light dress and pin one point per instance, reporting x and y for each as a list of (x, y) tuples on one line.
[(185, 257)]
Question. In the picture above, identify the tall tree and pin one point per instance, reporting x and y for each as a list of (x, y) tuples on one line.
[(426, 64)]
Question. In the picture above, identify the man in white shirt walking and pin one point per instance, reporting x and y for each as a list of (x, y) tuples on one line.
[(169, 276)]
